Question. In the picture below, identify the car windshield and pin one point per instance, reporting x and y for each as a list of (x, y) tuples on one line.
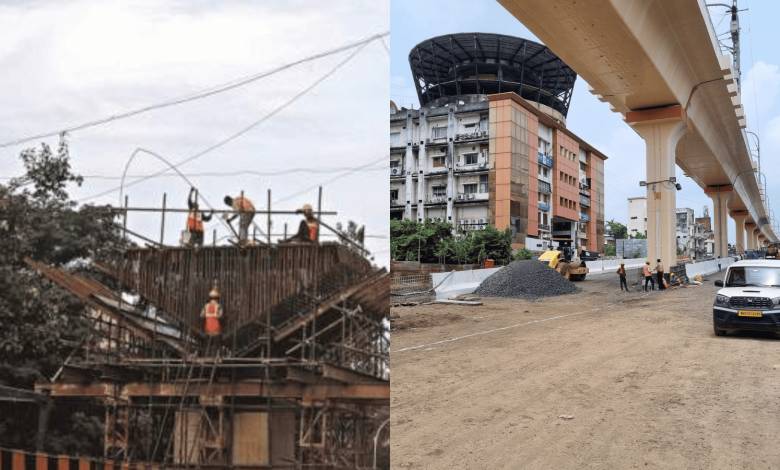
[(764, 276)]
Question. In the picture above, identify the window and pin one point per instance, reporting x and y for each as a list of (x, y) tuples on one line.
[(470, 127), (393, 194), (439, 132), (470, 188), (439, 191), (438, 161), (395, 137), (470, 159), (395, 164), (632, 218), (483, 183), (483, 125)]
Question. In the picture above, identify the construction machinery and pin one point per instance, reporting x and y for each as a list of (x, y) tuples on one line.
[(573, 270), (771, 251)]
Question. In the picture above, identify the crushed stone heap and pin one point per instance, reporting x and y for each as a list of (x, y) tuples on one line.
[(526, 279)]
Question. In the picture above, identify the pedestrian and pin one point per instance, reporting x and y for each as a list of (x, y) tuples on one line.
[(659, 275), (648, 275), (622, 272), (718, 263), (212, 321), (195, 219), (246, 212)]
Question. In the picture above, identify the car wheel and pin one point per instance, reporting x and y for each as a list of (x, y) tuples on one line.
[(718, 332)]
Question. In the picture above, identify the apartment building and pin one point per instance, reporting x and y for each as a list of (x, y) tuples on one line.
[(637, 216), (489, 146)]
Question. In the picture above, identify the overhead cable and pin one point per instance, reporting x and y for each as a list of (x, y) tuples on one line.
[(199, 95)]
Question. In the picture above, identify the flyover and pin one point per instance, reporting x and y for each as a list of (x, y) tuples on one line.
[(658, 63)]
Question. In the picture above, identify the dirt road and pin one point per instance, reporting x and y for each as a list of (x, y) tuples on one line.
[(647, 382)]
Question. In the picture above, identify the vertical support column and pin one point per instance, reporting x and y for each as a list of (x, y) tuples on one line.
[(661, 129), (422, 159), (450, 162), (750, 241), (739, 220), (720, 196), (409, 159), (756, 233)]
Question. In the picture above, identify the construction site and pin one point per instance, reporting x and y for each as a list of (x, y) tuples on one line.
[(298, 377)]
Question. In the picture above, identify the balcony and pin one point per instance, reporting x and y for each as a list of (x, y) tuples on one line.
[(396, 202), (584, 217), (544, 187), (544, 207), (544, 227), (584, 192), (471, 136), (584, 201), (545, 160), (582, 235)]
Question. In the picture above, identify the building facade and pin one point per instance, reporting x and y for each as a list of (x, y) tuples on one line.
[(489, 146), (637, 216)]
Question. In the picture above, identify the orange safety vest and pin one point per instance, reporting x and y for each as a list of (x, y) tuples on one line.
[(194, 221), (212, 312), (312, 230)]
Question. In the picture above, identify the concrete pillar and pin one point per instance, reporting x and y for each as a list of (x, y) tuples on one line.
[(410, 169), (756, 233), (720, 196), (661, 129), (751, 242), (739, 220)]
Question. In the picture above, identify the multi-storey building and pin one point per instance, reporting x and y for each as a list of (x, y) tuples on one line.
[(489, 145), (637, 216)]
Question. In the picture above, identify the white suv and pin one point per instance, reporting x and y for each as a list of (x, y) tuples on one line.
[(749, 298)]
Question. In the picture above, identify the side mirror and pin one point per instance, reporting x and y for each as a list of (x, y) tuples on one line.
[(718, 283)]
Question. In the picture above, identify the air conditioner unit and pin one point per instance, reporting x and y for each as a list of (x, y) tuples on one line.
[(472, 221), (430, 219), (482, 221), (472, 196), (439, 219), (395, 171), (427, 141), (483, 164), (484, 133), (482, 227), (460, 197)]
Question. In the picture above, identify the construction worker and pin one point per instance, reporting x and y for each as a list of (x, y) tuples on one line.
[(718, 263), (195, 219), (659, 275), (308, 228), (246, 212), (622, 272), (648, 275), (212, 321)]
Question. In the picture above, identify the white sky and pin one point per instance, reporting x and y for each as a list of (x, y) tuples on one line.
[(65, 63)]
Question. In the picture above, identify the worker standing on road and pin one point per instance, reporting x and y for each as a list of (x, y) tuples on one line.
[(659, 274), (246, 212), (648, 275), (718, 263), (622, 272)]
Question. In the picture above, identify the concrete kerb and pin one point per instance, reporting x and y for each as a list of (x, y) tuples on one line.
[(460, 282)]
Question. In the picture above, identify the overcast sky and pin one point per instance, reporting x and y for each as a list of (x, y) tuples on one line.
[(65, 63), (413, 22)]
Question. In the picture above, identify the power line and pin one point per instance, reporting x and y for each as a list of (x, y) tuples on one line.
[(242, 131), (202, 94)]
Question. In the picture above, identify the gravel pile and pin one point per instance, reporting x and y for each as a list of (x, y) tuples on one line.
[(526, 279)]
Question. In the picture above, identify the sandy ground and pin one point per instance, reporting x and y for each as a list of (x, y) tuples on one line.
[(647, 382)]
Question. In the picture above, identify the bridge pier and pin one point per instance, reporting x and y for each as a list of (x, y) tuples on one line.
[(661, 129), (756, 233), (751, 242), (720, 196), (739, 219)]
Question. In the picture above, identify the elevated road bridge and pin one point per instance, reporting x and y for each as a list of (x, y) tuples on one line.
[(658, 63)]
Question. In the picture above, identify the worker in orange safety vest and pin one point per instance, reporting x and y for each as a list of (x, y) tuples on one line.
[(308, 228), (212, 315), (195, 219)]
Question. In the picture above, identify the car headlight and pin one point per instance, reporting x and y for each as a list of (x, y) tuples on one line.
[(723, 300), (775, 302)]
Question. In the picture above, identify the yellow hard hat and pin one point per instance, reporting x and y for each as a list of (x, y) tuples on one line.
[(622, 263), (647, 261), (214, 292)]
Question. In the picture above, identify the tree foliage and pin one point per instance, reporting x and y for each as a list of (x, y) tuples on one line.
[(618, 230), (40, 325), (523, 253), (433, 242)]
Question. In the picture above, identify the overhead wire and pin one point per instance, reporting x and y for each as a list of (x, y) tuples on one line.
[(243, 131), (199, 95)]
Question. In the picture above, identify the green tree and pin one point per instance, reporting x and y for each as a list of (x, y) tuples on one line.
[(522, 253), (40, 325), (639, 236), (617, 229), (609, 250), (410, 236)]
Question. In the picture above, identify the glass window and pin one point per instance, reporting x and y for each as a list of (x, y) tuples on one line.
[(395, 137), (470, 159), (394, 163), (438, 161), (470, 188), (393, 194), (753, 276), (483, 183), (439, 132), (439, 191)]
